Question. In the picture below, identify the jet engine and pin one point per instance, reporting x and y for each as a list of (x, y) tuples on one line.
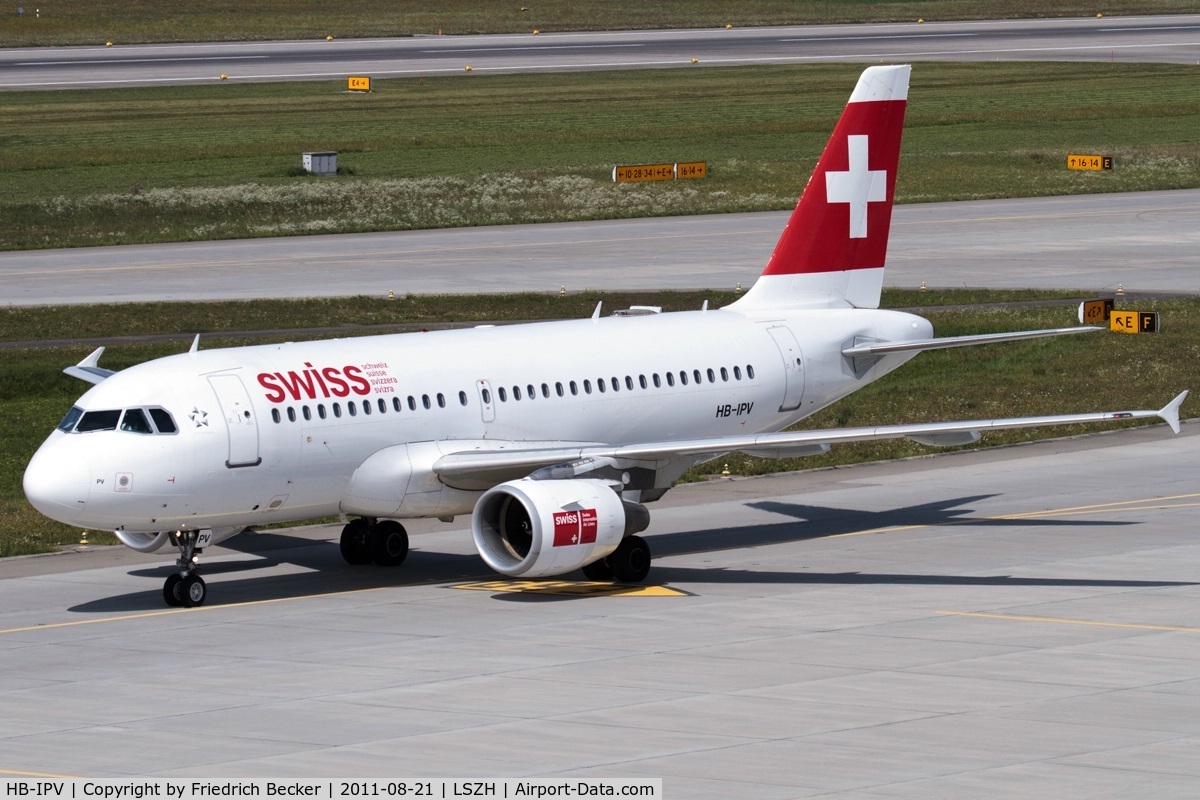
[(530, 528)]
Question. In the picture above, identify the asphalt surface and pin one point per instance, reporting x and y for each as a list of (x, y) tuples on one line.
[(1170, 39), (1095, 243), (1015, 623), (1010, 623)]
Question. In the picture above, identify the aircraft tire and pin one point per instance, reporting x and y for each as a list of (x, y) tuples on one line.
[(389, 544), (171, 590), (355, 543), (192, 591), (630, 562), (598, 571)]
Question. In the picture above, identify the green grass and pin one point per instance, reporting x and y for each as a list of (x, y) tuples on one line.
[(121, 166), (134, 21), (1071, 374)]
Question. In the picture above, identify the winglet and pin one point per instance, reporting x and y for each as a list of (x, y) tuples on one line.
[(1170, 412)]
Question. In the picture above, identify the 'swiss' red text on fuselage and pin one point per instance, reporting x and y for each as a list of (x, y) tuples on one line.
[(313, 383)]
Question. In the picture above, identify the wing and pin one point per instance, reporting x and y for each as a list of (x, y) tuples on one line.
[(89, 369), (496, 466)]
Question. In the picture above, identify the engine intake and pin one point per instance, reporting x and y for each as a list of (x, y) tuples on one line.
[(530, 528)]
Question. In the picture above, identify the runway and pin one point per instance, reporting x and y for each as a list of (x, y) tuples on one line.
[(1166, 39), (1143, 241), (1015, 623)]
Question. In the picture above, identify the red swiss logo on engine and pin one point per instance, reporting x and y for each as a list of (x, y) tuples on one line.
[(575, 527)]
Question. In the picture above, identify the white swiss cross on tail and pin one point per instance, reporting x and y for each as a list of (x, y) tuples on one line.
[(832, 251), (858, 186)]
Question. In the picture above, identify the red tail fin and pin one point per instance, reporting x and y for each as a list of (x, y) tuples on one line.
[(832, 251)]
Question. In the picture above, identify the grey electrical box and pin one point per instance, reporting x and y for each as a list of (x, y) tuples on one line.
[(321, 163)]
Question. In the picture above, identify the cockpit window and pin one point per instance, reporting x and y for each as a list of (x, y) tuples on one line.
[(135, 421), (163, 421), (68, 423), (98, 421)]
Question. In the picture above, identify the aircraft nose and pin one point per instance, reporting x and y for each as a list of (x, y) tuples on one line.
[(57, 486)]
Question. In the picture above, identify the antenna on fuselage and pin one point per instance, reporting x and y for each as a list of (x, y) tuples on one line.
[(195, 344)]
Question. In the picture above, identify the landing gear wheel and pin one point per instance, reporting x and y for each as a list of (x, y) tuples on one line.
[(630, 562), (389, 544), (598, 571), (192, 591), (356, 542), (171, 590)]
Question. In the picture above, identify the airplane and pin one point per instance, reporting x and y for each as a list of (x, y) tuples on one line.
[(553, 436)]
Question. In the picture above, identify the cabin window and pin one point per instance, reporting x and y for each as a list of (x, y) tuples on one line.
[(487, 396), (682, 378), (304, 410), (574, 388), (545, 390), (642, 381), (670, 379), (412, 403), (275, 415), (530, 392), (558, 387), (629, 382), (291, 412), (367, 407), (425, 402), (587, 387), (712, 376), (352, 409), (737, 373), (337, 410), (616, 384), (163, 420), (441, 398), (98, 421), (462, 398), (724, 374), (750, 372), (657, 381), (382, 405), (697, 376), (600, 385), (397, 406), (503, 394), (321, 410), (516, 393)]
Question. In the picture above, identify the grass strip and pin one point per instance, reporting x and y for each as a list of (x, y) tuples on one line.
[(122, 166), (1065, 375), (137, 21)]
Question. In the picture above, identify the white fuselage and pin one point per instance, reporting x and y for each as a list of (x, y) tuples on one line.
[(275, 433)]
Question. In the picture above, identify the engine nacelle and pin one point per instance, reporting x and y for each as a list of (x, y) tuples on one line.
[(530, 528)]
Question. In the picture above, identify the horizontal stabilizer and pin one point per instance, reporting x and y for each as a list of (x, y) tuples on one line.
[(89, 369), (884, 348)]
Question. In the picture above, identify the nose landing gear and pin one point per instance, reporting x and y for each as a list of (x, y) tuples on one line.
[(186, 588)]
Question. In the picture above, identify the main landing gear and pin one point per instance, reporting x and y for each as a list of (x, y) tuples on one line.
[(384, 542), (186, 588), (629, 563)]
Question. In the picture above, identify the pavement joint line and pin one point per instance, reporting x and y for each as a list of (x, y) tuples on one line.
[(243, 604), (1101, 508), (1067, 621), (26, 774)]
